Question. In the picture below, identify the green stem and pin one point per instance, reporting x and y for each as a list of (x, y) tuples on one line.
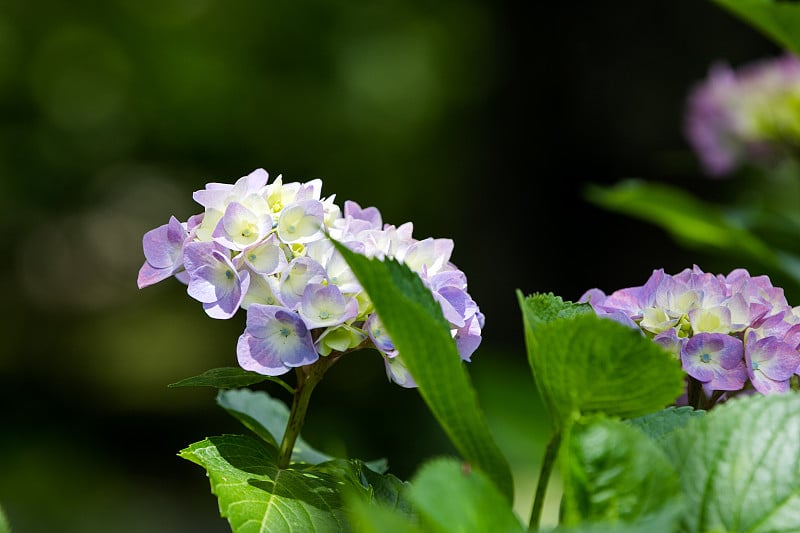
[(550, 454), (307, 378)]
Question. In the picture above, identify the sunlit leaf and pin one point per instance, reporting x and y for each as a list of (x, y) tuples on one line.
[(584, 364), (258, 497), (740, 465), (689, 219), (778, 19), (418, 329)]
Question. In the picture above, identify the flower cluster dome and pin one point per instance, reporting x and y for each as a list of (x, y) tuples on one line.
[(749, 115), (264, 247), (731, 333)]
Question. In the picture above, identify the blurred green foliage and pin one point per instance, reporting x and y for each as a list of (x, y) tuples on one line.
[(472, 120)]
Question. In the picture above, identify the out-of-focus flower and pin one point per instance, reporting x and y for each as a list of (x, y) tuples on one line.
[(731, 333), (262, 247), (746, 116)]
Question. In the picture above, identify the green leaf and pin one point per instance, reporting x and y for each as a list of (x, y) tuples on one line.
[(449, 496), (421, 334), (665, 520), (584, 364), (740, 465), (266, 417), (378, 502), (779, 20), (4, 526), (690, 220), (256, 496), (373, 487), (228, 378), (661, 423), (375, 518), (545, 308), (613, 473)]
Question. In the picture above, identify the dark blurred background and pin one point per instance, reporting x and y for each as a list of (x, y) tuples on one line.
[(480, 121)]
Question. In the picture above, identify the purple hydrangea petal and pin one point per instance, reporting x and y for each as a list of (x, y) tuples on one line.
[(265, 257), (774, 358), (274, 341), (619, 316), (301, 272), (162, 248), (431, 254), (453, 302), (301, 222), (218, 285), (262, 290), (162, 245), (468, 337), (378, 335), (594, 297), (759, 355), (670, 341), (252, 356), (323, 306), (240, 228), (714, 358), (371, 215), (149, 275), (396, 371)]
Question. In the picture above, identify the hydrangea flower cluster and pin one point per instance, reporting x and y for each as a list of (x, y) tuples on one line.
[(747, 115), (263, 248), (731, 333)]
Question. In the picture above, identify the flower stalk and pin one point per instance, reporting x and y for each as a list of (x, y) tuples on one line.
[(308, 378), (550, 454)]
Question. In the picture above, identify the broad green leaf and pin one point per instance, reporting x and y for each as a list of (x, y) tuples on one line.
[(373, 487), (666, 520), (545, 308), (584, 364), (778, 19), (227, 378), (375, 518), (740, 465), (421, 334), (690, 220), (449, 496), (4, 527), (661, 423), (378, 502), (613, 473), (266, 417), (258, 497)]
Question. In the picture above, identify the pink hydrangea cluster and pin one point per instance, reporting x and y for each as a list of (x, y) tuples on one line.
[(731, 333), (263, 247), (748, 115)]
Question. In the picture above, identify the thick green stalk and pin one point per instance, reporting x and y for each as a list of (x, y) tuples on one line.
[(307, 378), (550, 454)]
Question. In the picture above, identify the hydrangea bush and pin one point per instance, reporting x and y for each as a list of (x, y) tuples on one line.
[(672, 404), (317, 282), (750, 115)]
